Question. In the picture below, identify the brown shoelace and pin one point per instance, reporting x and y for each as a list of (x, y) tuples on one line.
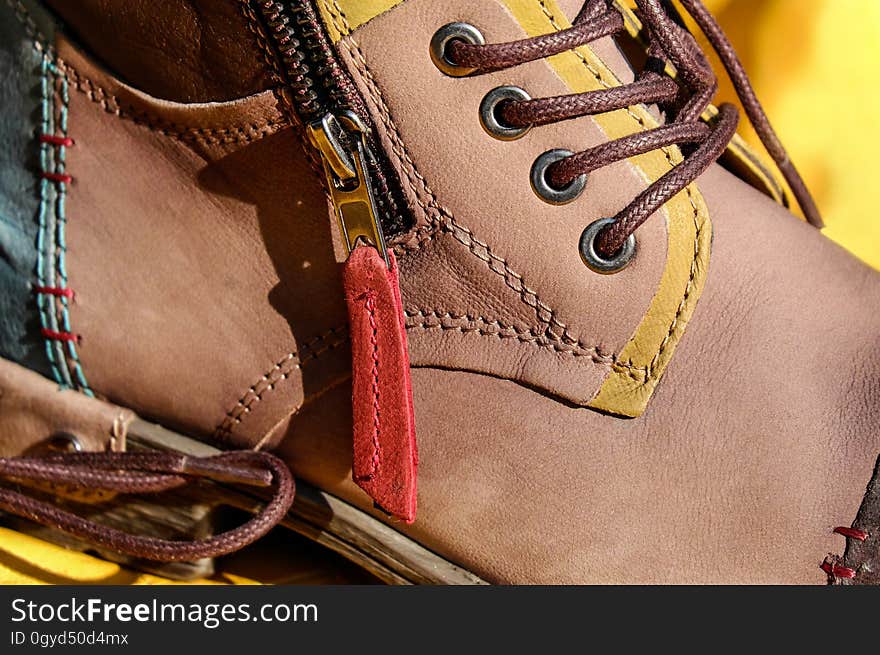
[(139, 473), (683, 101)]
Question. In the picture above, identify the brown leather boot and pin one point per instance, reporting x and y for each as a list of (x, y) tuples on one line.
[(629, 362)]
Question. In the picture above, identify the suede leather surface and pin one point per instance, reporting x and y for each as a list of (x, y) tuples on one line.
[(209, 297), (759, 441), (33, 411), (181, 50), (500, 288), (202, 298), (385, 461), (19, 195)]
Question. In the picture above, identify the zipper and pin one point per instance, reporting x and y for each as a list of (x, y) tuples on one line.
[(322, 94), (367, 199), (342, 143)]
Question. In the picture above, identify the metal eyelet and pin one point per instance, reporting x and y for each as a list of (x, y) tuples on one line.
[(547, 191), (595, 261), (461, 31), (64, 442), (489, 117)]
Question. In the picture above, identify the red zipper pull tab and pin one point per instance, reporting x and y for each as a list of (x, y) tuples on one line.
[(385, 457)]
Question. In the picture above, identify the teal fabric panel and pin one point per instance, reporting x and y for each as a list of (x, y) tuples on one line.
[(20, 116)]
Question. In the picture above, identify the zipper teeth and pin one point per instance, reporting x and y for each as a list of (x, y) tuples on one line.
[(290, 49), (327, 68), (319, 85)]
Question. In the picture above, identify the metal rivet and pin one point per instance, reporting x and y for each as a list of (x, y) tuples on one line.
[(492, 123), (64, 442), (461, 31), (547, 191), (600, 263)]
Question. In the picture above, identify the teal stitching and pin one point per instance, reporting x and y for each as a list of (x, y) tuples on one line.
[(47, 320), (59, 360), (61, 246)]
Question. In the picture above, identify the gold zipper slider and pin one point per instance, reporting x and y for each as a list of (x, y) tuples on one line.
[(343, 145)]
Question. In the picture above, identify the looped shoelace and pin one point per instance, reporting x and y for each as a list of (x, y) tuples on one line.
[(683, 100), (148, 472)]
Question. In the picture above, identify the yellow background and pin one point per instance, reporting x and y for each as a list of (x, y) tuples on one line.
[(814, 66)]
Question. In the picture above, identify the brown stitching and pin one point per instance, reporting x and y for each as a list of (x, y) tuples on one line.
[(428, 319), (398, 146), (416, 238), (687, 290), (280, 371), (433, 206), (461, 233), (375, 460), (266, 438), (112, 105), (647, 373), (253, 25), (426, 233), (512, 279), (649, 370), (214, 136), (482, 251)]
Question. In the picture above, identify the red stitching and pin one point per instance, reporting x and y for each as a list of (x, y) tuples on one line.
[(63, 292), (852, 533), (56, 140), (370, 304), (59, 336), (57, 177), (838, 571)]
